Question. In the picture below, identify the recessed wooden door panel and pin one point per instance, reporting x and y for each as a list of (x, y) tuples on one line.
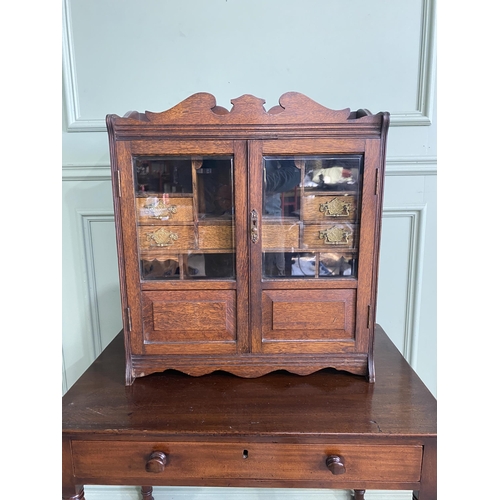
[(189, 317), (308, 317)]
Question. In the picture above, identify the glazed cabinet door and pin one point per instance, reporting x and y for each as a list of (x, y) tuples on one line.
[(183, 229), (312, 217)]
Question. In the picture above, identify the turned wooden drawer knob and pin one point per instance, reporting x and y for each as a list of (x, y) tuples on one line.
[(336, 464), (156, 462)]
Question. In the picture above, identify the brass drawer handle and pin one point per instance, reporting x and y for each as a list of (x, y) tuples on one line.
[(336, 235), (162, 237), (336, 208), (336, 464), (160, 210), (156, 462)]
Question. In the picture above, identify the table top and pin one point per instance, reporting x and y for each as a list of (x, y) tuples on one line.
[(172, 405)]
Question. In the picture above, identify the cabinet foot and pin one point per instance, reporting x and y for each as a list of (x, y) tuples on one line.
[(147, 493), (359, 494)]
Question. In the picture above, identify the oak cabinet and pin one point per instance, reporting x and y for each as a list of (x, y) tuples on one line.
[(248, 239)]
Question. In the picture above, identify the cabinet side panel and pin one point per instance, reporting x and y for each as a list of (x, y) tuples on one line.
[(367, 234), (133, 322)]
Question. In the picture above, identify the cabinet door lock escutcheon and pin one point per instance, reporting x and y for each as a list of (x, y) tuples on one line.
[(254, 226)]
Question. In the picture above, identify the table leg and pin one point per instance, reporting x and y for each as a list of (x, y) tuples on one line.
[(359, 494), (70, 490), (74, 493), (147, 493), (428, 481)]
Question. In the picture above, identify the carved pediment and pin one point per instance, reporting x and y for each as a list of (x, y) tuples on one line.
[(200, 116), (293, 108)]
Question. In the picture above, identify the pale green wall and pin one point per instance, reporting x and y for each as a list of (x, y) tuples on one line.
[(122, 55)]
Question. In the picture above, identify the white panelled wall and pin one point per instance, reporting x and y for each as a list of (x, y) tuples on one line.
[(122, 55)]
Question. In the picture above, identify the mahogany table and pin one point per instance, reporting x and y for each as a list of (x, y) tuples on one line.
[(325, 430)]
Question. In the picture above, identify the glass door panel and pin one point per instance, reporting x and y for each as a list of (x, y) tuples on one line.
[(185, 217), (310, 221)]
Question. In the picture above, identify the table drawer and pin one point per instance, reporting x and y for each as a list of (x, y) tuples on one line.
[(262, 461)]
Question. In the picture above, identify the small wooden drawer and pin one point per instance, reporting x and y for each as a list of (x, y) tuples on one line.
[(166, 238), (329, 236), (330, 207), (198, 462), (218, 236), (158, 210), (278, 235)]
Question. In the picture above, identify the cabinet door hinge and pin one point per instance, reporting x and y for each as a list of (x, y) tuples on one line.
[(118, 184), (377, 181), (369, 316), (128, 319)]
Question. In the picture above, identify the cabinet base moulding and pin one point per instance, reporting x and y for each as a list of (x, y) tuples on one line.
[(252, 366)]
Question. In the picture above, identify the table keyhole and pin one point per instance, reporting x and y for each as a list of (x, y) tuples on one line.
[(245, 454)]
